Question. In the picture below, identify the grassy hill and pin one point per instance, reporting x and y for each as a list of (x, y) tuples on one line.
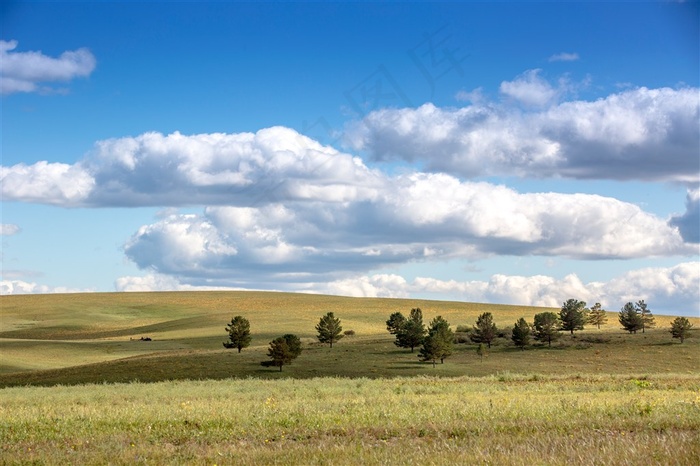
[(82, 338)]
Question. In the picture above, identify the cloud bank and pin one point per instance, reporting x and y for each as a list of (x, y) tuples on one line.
[(640, 134), (27, 71)]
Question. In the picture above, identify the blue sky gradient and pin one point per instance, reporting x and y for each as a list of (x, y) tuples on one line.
[(515, 152)]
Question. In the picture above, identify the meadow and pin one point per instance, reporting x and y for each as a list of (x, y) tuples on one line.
[(78, 386)]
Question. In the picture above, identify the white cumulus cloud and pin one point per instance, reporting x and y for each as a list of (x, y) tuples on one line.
[(10, 287), (173, 170), (668, 290), (9, 229), (27, 71), (639, 134)]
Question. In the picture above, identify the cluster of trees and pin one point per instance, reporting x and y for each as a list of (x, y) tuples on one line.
[(283, 350), (436, 341)]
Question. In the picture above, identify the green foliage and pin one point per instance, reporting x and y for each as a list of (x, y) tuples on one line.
[(630, 319), (546, 327), (572, 315), (438, 343), (280, 351), (680, 328), (395, 323), (597, 316), (329, 329), (644, 312), (412, 332), (293, 344), (485, 330), (238, 333), (521, 334)]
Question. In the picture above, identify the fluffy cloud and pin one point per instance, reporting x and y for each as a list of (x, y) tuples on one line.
[(418, 217), (670, 290), (530, 89), (9, 287), (641, 134), (564, 56), (8, 229), (172, 170), (25, 71), (689, 223)]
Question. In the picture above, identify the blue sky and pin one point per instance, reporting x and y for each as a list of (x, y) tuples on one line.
[(513, 152)]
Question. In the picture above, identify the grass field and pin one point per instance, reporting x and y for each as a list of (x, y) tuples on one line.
[(598, 397), (507, 419)]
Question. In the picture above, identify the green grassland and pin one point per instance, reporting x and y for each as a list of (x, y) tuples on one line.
[(77, 386), (88, 338)]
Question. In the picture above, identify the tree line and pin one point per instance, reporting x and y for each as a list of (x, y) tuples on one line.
[(435, 342)]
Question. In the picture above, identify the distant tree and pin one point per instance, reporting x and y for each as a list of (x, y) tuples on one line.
[(329, 329), (646, 315), (280, 353), (521, 334), (413, 331), (546, 327), (293, 343), (485, 330), (630, 319), (395, 323), (432, 349), (440, 331), (238, 333), (597, 316), (573, 315), (680, 328), (481, 351)]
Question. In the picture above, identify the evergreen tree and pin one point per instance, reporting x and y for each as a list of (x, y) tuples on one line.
[(630, 319), (412, 332), (440, 328), (597, 316), (294, 344), (546, 327), (680, 328), (395, 323), (238, 333), (279, 352), (521, 334), (646, 315), (572, 315), (485, 330), (329, 329), (432, 349)]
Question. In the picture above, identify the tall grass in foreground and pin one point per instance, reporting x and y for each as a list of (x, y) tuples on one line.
[(505, 419)]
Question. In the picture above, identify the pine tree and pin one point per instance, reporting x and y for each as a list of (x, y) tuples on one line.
[(293, 343), (680, 328), (279, 352), (412, 332), (646, 315), (597, 316), (238, 333), (521, 334), (395, 323), (432, 349), (572, 315), (440, 329), (329, 329), (630, 319), (546, 327), (485, 330)]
